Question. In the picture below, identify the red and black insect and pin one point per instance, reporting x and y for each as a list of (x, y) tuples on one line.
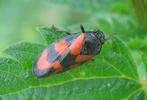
[(68, 51)]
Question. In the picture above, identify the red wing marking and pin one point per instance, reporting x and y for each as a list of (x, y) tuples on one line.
[(61, 47), (57, 66), (42, 62), (77, 44), (82, 58)]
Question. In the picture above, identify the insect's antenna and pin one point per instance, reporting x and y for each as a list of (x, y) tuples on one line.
[(82, 28), (109, 36)]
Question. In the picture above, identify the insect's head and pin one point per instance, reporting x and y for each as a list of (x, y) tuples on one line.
[(94, 36)]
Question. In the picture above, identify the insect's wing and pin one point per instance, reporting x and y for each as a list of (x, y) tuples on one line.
[(70, 56), (48, 61), (76, 45)]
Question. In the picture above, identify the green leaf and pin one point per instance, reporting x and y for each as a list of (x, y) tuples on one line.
[(138, 44), (84, 89), (24, 52), (11, 76), (113, 73), (120, 57)]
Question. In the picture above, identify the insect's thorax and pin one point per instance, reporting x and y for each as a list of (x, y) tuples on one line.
[(92, 43)]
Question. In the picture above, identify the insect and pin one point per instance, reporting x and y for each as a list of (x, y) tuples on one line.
[(67, 52)]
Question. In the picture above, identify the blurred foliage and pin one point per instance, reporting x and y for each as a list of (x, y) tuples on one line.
[(20, 19), (140, 7)]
